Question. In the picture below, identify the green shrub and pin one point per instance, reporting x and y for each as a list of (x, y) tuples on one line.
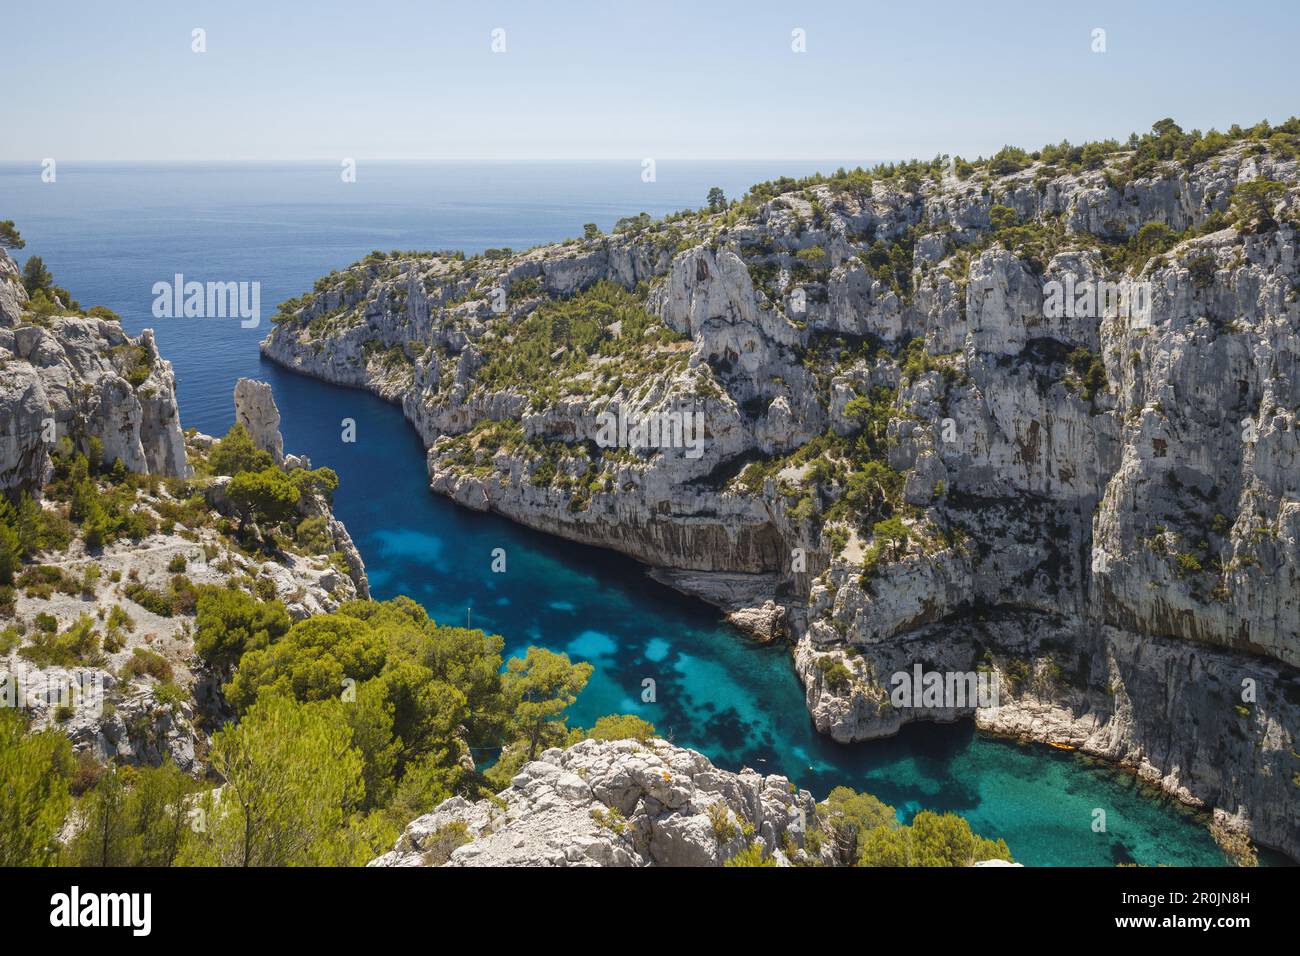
[(313, 534), (622, 727), (834, 672), (43, 580), (439, 845), (236, 453), (724, 830), (229, 623), (79, 644), (266, 496), (150, 599), (146, 662)]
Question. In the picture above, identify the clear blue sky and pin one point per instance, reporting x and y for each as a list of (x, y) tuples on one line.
[(581, 79)]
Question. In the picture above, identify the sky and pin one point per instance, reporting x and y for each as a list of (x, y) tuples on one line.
[(704, 79)]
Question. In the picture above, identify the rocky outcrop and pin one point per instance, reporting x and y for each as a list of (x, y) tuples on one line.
[(765, 623), (1122, 467), (255, 410), (86, 380), (618, 803), (125, 721), (13, 296)]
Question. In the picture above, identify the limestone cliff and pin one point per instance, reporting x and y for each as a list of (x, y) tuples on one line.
[(909, 440), (82, 378)]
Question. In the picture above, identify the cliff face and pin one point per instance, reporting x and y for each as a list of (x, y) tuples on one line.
[(910, 443), (82, 378)]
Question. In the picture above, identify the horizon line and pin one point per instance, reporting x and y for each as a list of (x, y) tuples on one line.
[(475, 159)]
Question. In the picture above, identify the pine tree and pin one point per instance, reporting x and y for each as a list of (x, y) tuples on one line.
[(292, 779), (542, 686), (34, 773)]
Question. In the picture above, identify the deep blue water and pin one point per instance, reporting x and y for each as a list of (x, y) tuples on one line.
[(109, 231)]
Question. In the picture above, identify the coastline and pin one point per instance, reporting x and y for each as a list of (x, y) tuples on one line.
[(1153, 785)]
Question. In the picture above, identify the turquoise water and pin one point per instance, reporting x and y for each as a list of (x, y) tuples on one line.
[(108, 232)]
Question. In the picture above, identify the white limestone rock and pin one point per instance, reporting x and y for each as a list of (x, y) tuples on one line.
[(616, 803), (255, 410), (72, 376)]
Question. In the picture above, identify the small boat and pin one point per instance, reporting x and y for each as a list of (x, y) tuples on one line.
[(1051, 743)]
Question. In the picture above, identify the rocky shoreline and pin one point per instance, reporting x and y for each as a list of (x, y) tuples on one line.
[(1103, 509)]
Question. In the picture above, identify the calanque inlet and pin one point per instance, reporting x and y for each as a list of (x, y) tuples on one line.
[(1031, 420)]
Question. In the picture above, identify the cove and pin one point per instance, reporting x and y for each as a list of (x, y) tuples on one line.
[(717, 692), (110, 231)]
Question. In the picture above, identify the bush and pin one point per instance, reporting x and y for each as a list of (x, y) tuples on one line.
[(36, 278), (236, 453), (752, 855), (79, 644), (1253, 203), (724, 830), (932, 840), (1202, 269), (313, 534), (147, 662), (847, 816), (439, 845), (150, 599), (318, 481), (1002, 217), (836, 675), (182, 595), (622, 727), (1091, 372), (44, 579), (34, 800), (11, 554)]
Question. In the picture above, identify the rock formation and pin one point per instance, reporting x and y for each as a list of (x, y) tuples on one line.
[(84, 379), (928, 460), (619, 803), (255, 410)]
